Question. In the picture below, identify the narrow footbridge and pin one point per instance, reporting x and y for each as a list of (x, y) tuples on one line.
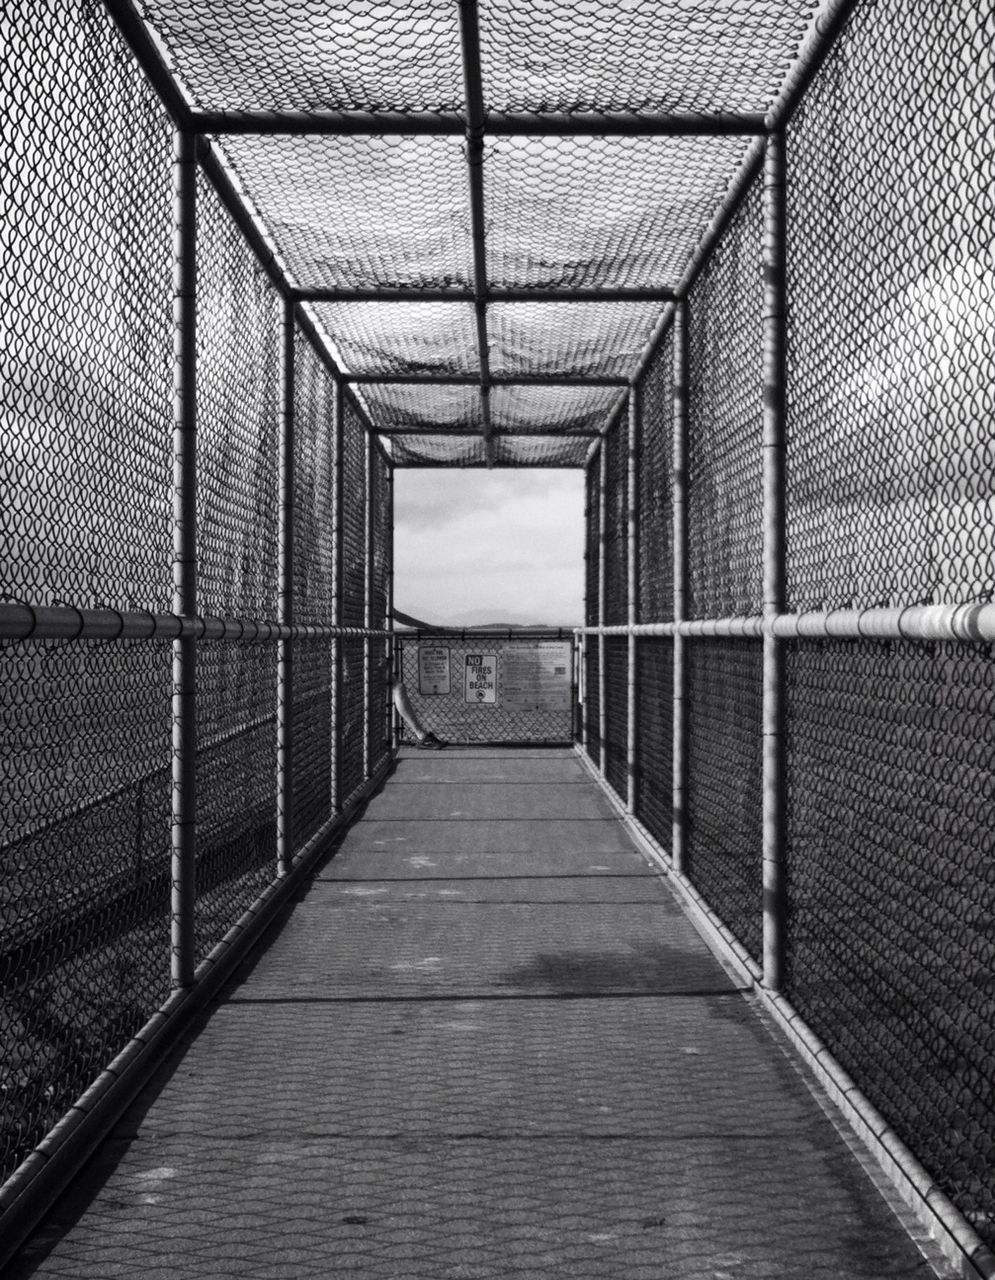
[(729, 262), (485, 1041)]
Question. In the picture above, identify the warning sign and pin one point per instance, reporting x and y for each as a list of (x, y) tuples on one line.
[(537, 677), (480, 683), (433, 670)]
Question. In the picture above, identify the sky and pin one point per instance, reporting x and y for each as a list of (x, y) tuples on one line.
[(472, 547)]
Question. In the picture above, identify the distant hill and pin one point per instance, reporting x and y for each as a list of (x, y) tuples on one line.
[(477, 620), (521, 626)]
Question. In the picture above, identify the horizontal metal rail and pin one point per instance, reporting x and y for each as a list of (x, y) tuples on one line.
[(491, 294), (473, 380), (497, 433), (605, 124), (972, 622), (484, 633), (19, 621)]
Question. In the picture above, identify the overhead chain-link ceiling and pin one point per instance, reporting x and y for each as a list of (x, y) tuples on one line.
[(485, 205)]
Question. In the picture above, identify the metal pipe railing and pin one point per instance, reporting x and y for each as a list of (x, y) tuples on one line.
[(971, 621), (20, 620)]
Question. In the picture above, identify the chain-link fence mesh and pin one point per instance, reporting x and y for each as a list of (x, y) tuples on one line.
[(86, 344), (238, 388), (891, 289), (86, 460), (654, 489), (86, 883), (615, 536), (381, 572), (891, 162), (725, 424), (664, 57), (653, 767), (314, 586), (490, 689), (589, 729), (891, 865), (891, 310), (723, 781), (616, 712), (890, 306)]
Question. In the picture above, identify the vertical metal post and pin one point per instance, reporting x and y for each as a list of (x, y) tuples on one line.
[(184, 789), (589, 552), (632, 547), (678, 850), (389, 621), (338, 534), (367, 603), (774, 362), (576, 690), (602, 566), (285, 603)]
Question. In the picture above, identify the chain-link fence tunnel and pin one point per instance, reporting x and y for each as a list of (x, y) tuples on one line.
[(738, 267)]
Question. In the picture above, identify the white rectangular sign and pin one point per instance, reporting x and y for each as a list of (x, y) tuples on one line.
[(433, 669), (480, 682), (536, 677)]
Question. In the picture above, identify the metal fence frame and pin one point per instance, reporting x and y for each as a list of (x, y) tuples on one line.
[(194, 976), (964, 623), (968, 622)]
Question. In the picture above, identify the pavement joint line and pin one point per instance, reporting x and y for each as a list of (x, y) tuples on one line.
[(472, 1135), (464, 819), (484, 902), (493, 997), (607, 875)]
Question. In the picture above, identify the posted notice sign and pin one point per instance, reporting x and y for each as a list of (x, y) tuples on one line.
[(480, 681), (537, 677), (433, 669)]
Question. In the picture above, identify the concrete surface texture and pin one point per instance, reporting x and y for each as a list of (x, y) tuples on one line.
[(486, 1042)]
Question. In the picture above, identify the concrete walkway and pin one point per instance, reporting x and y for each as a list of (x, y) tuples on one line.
[(486, 1043)]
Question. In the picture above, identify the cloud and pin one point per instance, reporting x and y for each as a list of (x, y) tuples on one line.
[(509, 544)]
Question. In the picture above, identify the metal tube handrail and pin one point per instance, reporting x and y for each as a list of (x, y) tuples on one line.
[(970, 622), (20, 620)]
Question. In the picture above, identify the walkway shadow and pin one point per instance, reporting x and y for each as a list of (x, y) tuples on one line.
[(639, 969)]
